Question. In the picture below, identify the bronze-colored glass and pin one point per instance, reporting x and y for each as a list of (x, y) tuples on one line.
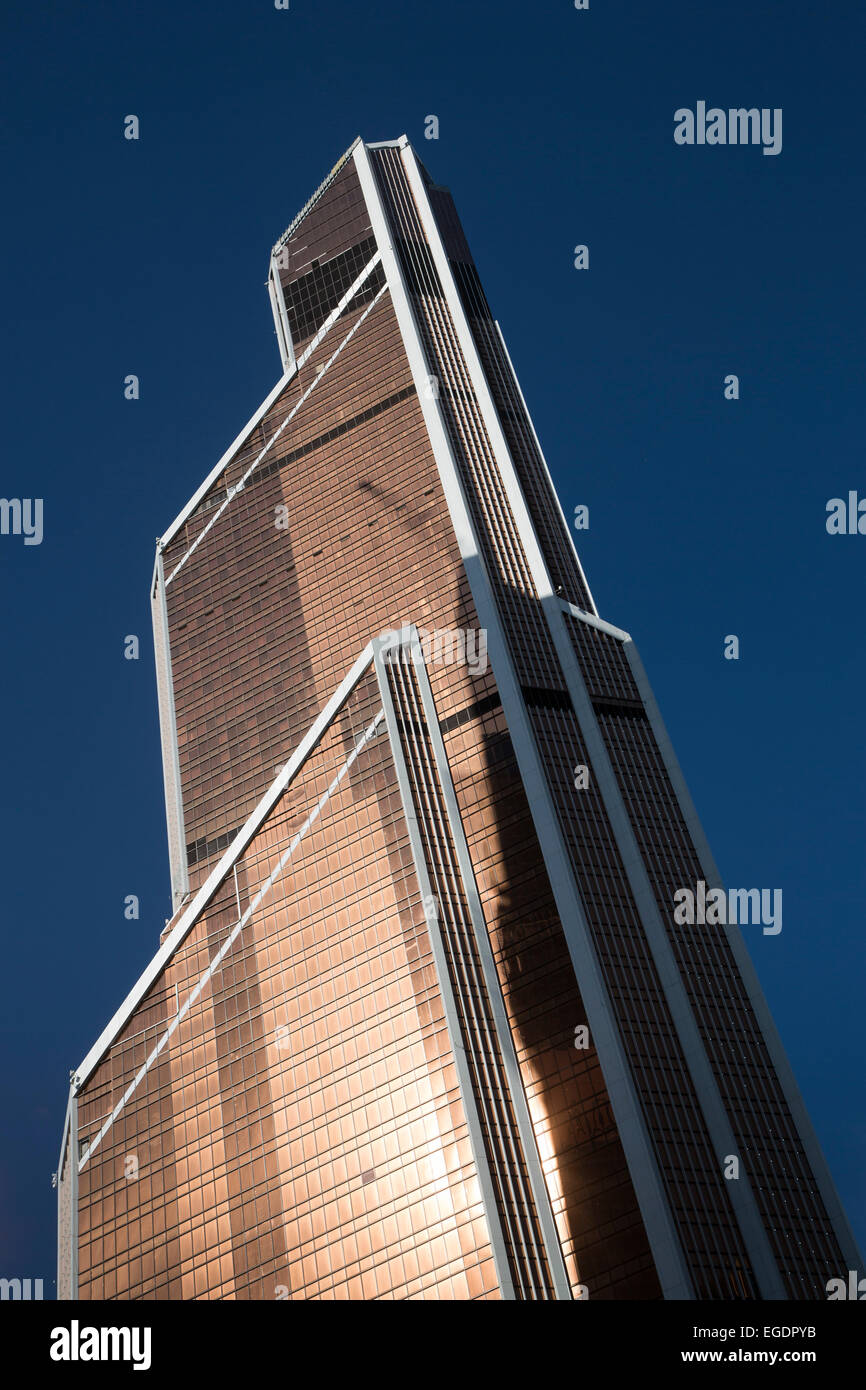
[(325, 1091)]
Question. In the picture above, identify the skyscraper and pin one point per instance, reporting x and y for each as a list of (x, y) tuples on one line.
[(427, 1021)]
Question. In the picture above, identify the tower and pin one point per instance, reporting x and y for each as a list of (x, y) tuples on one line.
[(426, 1021)]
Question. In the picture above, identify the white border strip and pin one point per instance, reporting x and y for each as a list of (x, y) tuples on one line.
[(281, 324), (171, 776)]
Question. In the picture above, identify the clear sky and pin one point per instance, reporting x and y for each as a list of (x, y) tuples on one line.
[(707, 516)]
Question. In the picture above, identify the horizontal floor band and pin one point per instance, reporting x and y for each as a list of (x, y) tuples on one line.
[(464, 716), (266, 470), (612, 704)]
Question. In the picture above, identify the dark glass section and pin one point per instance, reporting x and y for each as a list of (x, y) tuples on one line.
[(769, 1145), (311, 298)]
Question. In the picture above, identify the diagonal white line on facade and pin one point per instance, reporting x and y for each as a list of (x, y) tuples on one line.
[(230, 940), (238, 487)]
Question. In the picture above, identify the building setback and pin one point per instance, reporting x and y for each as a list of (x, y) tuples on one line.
[(423, 1024)]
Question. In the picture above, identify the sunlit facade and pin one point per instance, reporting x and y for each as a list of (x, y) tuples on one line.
[(423, 1024)]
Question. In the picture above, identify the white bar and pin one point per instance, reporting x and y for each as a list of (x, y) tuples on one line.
[(592, 621), (168, 739), (278, 309)]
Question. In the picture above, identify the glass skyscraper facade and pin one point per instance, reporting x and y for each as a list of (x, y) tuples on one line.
[(424, 1023)]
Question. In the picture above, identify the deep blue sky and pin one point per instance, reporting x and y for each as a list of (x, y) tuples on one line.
[(707, 516)]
